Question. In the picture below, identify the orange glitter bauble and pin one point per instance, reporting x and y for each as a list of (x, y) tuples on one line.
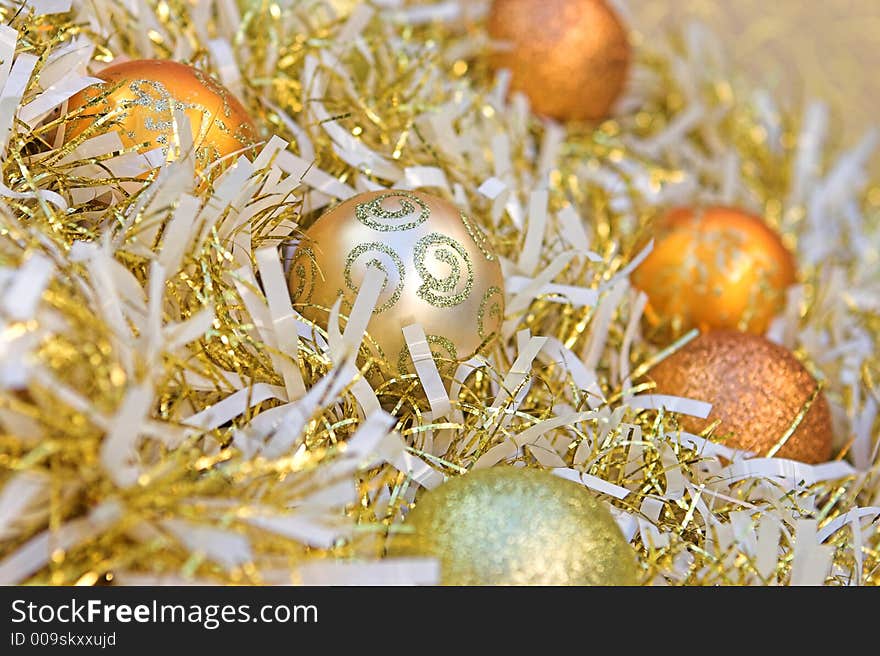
[(570, 57), (140, 98), (714, 268), (757, 389)]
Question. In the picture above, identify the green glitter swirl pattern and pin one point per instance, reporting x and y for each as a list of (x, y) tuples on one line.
[(373, 215), (439, 292), (444, 352), (488, 309), (377, 247), (304, 269)]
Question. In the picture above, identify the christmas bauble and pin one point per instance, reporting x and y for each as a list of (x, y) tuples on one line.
[(570, 57), (758, 390), (509, 526), (139, 99), (714, 268), (440, 272)]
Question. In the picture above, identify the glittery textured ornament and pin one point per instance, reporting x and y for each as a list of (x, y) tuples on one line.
[(509, 526), (570, 57), (139, 100), (440, 272), (758, 390), (714, 268)]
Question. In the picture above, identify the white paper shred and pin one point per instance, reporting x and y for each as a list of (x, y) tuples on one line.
[(492, 188), (363, 444), (288, 432), (536, 225), (233, 405), (791, 472), (586, 380), (313, 177), (675, 481), (38, 108), (533, 439), (601, 321), (572, 230), (118, 450), (301, 527), (394, 451), (651, 535), (677, 404), (498, 192), (283, 320), (12, 92), (592, 482), (19, 494), (418, 177), (767, 549), (43, 7), (44, 194), (515, 386), (426, 368), (531, 290), (551, 145), (811, 561), (20, 299), (180, 334), (225, 547), (628, 523), (72, 56), (712, 449), (8, 39), (851, 516), (577, 296), (343, 346), (629, 335), (223, 58), (37, 551)]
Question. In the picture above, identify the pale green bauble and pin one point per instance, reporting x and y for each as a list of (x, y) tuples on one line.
[(510, 526)]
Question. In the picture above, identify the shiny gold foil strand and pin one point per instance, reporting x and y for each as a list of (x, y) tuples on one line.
[(217, 540), (14, 567), (608, 456)]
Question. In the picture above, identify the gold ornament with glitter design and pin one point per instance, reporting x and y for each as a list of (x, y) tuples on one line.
[(766, 401), (714, 268), (440, 272), (570, 57), (139, 98), (491, 312), (510, 526)]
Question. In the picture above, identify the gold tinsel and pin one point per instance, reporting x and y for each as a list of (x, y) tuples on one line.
[(164, 416)]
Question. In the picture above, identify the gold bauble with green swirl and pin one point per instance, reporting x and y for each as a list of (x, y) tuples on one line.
[(440, 270)]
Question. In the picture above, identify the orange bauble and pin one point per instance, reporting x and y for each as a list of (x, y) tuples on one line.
[(757, 389), (141, 98), (570, 57), (714, 268)]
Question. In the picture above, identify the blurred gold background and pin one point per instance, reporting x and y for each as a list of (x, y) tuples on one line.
[(799, 49)]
